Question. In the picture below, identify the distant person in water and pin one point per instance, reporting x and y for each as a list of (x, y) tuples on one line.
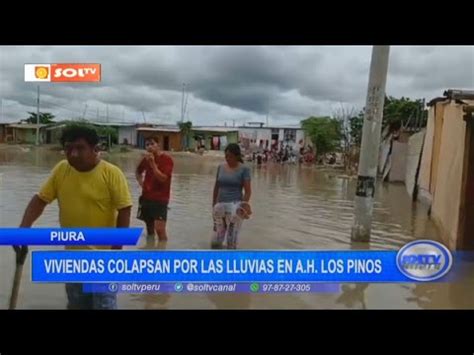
[(231, 197)]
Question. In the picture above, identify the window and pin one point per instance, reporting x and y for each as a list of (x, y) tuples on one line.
[(289, 135)]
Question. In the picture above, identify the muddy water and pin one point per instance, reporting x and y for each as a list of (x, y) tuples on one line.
[(294, 208)]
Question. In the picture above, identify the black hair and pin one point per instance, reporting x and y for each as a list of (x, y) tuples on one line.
[(154, 138), (234, 149), (73, 133)]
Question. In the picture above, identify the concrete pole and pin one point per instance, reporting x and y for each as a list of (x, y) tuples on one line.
[(182, 104), (38, 118), (364, 199)]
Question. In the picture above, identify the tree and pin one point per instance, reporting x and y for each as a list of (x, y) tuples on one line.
[(343, 115), (44, 118), (403, 112), (185, 128), (325, 133), (356, 124), (397, 113), (102, 131)]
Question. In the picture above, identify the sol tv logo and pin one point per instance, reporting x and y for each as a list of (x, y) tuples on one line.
[(63, 72), (424, 260)]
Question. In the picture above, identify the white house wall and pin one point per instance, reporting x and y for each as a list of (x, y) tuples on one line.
[(299, 136), (264, 134), (255, 134), (128, 133), (247, 133), (415, 145), (281, 135), (398, 162)]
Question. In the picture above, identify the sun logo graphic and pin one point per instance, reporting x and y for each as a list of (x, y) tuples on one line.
[(63, 72), (38, 72), (41, 72)]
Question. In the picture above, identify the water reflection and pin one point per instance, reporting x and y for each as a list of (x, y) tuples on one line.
[(353, 295), (294, 207)]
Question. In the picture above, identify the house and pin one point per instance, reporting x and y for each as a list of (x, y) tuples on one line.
[(126, 132), (25, 133), (6, 132), (54, 133), (2, 132), (446, 175), (271, 137), (169, 136), (255, 138), (213, 138)]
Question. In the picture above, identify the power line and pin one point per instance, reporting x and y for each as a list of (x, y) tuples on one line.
[(76, 111), (10, 104), (87, 112)]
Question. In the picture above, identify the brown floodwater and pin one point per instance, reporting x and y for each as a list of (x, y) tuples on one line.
[(295, 207)]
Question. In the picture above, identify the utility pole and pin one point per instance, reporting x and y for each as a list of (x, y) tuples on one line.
[(182, 104), (365, 191), (422, 112), (109, 137), (1, 110), (38, 118), (185, 107), (84, 113), (268, 109)]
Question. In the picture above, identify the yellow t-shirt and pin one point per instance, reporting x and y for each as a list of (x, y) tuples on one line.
[(87, 199)]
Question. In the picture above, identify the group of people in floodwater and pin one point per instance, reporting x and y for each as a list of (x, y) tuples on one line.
[(282, 155)]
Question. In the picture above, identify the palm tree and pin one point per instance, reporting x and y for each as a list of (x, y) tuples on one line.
[(44, 117), (185, 128)]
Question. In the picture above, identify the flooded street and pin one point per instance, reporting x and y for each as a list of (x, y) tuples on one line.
[(294, 208)]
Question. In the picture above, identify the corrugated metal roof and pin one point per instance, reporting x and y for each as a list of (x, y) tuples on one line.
[(459, 94), (55, 127), (436, 100), (114, 124), (272, 127), (216, 129), (158, 129), (28, 125)]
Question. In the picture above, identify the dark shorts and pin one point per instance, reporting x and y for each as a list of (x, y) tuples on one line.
[(149, 210)]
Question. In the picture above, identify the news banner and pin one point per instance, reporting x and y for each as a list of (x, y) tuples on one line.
[(219, 271)]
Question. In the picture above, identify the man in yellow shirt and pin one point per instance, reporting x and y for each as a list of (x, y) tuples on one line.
[(91, 193)]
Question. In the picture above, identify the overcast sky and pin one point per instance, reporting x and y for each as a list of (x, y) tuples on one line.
[(241, 83)]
